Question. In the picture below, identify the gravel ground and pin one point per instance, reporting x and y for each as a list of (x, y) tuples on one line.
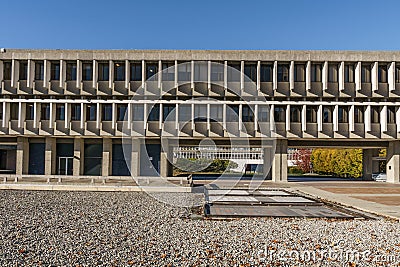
[(133, 229)]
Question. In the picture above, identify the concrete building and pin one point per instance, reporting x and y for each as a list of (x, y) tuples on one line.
[(62, 111)]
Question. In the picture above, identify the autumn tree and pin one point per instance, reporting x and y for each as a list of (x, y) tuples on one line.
[(303, 159)]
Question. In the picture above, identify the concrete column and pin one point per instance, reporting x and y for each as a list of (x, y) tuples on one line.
[(358, 76), (111, 74), (370, 166), (22, 156), (291, 75), (63, 72), (242, 75), (393, 162), (209, 74), (383, 119), (304, 118), (275, 75), (95, 73), (279, 161), (14, 72), (107, 157), (165, 165), (351, 118), (308, 75), (341, 76), (258, 74), (50, 156), (135, 158), (78, 161), (267, 163), (325, 75), (335, 118), (367, 119), (392, 76), (1, 71), (320, 117), (30, 73), (127, 73), (374, 78), (78, 74), (287, 118)]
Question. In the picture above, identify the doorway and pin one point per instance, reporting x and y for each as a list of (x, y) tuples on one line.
[(65, 165)]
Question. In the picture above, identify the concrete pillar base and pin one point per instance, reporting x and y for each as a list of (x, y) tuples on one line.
[(370, 166), (107, 156), (279, 161), (78, 156)]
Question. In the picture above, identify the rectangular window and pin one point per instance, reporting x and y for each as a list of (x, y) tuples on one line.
[(327, 114), (391, 114), (106, 114), (382, 74), (14, 111), (60, 112), (29, 111), (333, 72), (23, 70), (1, 111), (234, 70), (217, 72), (299, 73), (138, 112), (87, 71), (283, 72), (7, 70), (397, 73), (232, 113), (136, 71), (280, 113), (39, 70), (250, 70), (168, 73), (121, 112), (184, 113), (154, 114), (295, 114), (151, 70), (263, 113), (343, 114), (201, 71), (266, 71), (104, 71), (316, 72), (375, 114), (366, 73), (247, 114), (55, 70), (91, 112), (359, 114), (71, 71), (311, 114), (216, 113), (93, 159), (167, 110), (349, 73), (119, 71), (184, 71), (76, 112), (45, 111)]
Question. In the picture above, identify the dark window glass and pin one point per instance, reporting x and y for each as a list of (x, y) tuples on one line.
[(104, 71), (71, 71), (45, 111), (217, 72), (55, 71), (375, 114), (76, 112), (121, 111), (263, 113), (359, 114), (343, 114), (151, 69), (366, 73), (60, 112), (154, 114), (295, 113), (138, 112), (14, 111), (201, 71), (311, 114), (333, 73), (29, 111), (119, 71), (299, 73), (391, 114), (234, 72), (1, 111), (106, 114), (283, 72), (232, 113), (247, 114), (93, 154), (327, 114), (39, 70), (349, 73), (266, 72), (250, 70), (167, 109), (168, 73), (7, 70), (184, 71), (216, 113), (91, 110), (87, 71), (316, 72), (23, 70), (200, 113), (382, 74), (397, 74), (136, 71), (280, 113)]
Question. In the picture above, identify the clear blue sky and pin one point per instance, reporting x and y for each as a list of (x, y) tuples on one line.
[(201, 24)]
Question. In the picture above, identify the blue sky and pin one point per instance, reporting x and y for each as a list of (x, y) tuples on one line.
[(203, 24)]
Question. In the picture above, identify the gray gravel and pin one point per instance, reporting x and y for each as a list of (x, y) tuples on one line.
[(133, 229)]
